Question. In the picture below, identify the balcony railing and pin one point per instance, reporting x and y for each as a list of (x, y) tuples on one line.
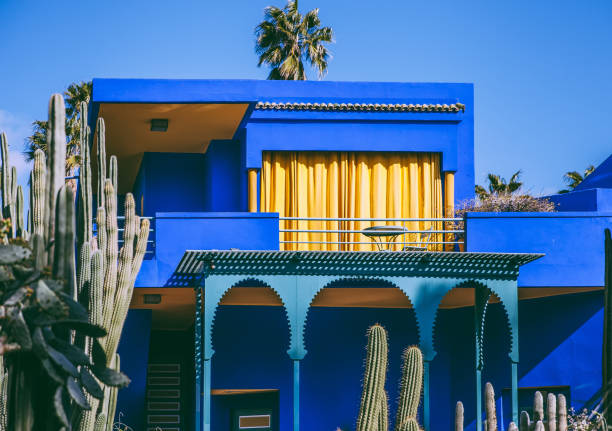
[(121, 228), (366, 234)]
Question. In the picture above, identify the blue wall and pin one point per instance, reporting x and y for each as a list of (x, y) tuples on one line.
[(177, 232), (171, 182), (559, 345), (584, 200), (451, 134), (222, 177), (134, 353), (572, 241)]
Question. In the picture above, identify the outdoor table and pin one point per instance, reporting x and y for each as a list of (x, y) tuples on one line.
[(378, 233)]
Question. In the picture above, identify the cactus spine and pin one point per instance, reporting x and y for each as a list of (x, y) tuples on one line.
[(410, 386), (374, 379)]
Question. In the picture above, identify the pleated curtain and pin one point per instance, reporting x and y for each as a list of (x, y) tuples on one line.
[(351, 185)]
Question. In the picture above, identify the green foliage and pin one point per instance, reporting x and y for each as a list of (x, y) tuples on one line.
[(574, 178), (75, 94), (287, 39), (499, 186)]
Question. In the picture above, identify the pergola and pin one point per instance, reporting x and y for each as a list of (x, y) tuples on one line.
[(297, 276)]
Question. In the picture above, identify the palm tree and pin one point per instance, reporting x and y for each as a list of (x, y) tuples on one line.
[(573, 178), (286, 40), (499, 186), (75, 94)]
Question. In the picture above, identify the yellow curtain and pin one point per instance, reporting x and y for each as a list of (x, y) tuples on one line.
[(351, 185)]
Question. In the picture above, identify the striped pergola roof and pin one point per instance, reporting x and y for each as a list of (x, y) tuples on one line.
[(353, 263)]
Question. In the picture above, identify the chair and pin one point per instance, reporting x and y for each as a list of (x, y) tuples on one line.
[(424, 240)]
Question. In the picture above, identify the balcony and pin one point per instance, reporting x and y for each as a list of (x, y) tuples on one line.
[(370, 234)]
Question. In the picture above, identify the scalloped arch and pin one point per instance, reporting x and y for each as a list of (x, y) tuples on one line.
[(474, 284), (382, 281)]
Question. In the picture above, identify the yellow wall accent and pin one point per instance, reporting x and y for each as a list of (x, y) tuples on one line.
[(253, 190), (350, 185), (449, 204)]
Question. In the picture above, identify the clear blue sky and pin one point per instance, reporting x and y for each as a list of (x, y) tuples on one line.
[(542, 69)]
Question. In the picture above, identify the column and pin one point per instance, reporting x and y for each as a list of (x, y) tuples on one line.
[(515, 412), (426, 396), (449, 205), (296, 395), (252, 180), (198, 359), (206, 396)]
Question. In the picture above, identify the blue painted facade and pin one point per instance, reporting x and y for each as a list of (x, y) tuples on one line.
[(199, 202)]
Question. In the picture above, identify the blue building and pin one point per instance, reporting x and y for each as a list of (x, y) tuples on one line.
[(290, 216)]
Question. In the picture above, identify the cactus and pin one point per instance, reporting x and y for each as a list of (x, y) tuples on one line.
[(490, 408), (562, 410), (37, 193), (103, 280), (85, 232), (410, 386), (374, 379), (459, 416), (524, 421), (538, 407), (410, 424), (101, 138), (551, 412), (556, 414), (56, 167), (20, 230), (113, 171), (100, 424)]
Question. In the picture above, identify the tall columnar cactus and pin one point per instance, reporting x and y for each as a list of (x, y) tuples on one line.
[(459, 416), (410, 424), (373, 380), (490, 408), (555, 420), (410, 386), (102, 278), (562, 409)]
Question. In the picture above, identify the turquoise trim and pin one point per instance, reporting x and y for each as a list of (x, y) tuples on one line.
[(298, 286)]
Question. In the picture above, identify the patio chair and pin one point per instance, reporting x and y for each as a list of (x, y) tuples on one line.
[(424, 240)]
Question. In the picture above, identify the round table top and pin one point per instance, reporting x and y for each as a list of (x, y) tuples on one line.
[(378, 231)]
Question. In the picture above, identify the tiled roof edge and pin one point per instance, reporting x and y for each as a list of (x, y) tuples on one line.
[(360, 107)]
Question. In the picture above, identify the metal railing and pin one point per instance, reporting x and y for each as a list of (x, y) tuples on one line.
[(354, 234), (120, 229)]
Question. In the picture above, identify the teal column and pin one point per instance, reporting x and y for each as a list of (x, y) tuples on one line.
[(426, 396), (515, 412), (481, 299), (296, 395), (206, 396), (198, 359), (478, 400)]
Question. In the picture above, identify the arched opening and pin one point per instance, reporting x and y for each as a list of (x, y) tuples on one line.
[(453, 369), (335, 338), (251, 372)]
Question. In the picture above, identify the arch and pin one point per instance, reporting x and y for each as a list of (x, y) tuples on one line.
[(336, 340), (216, 288)]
